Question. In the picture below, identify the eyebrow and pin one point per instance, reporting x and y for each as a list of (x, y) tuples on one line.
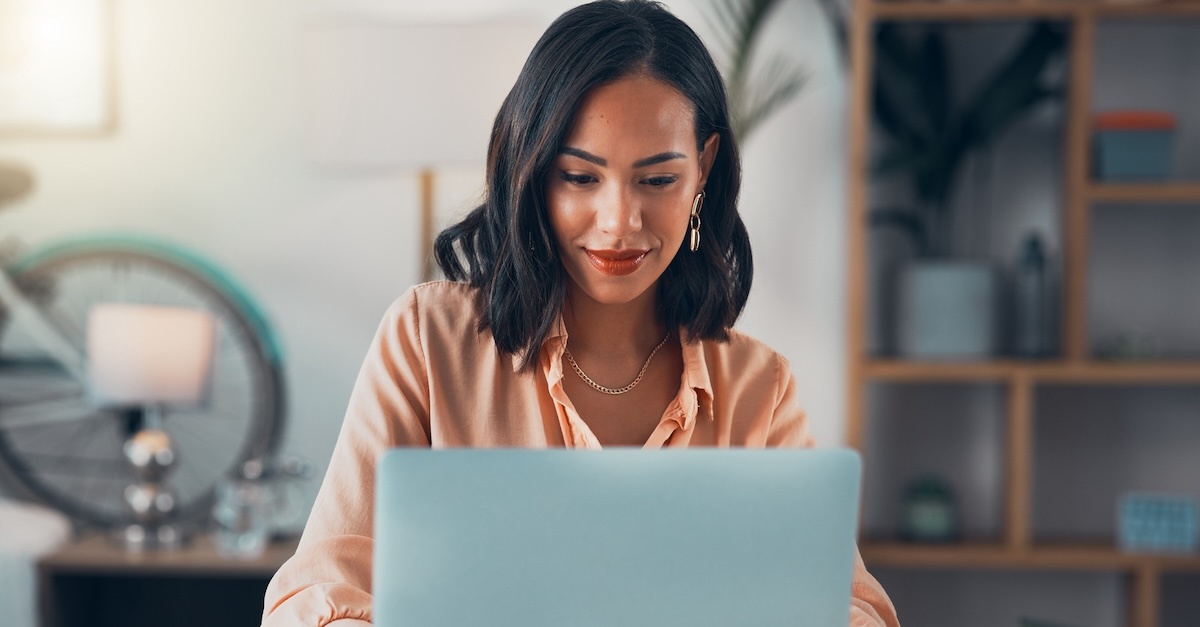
[(602, 162)]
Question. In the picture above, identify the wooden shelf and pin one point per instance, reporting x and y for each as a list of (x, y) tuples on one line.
[(1080, 373), (1145, 192), (1092, 557), (1016, 548), (1027, 9)]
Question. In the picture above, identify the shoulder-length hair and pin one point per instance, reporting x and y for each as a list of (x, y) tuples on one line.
[(506, 246)]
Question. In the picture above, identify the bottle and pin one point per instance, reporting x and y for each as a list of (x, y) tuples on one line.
[(1031, 315)]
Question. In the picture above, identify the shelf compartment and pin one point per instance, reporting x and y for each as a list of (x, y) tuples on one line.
[(1180, 603), (954, 432), (1093, 444), (1143, 290), (996, 598)]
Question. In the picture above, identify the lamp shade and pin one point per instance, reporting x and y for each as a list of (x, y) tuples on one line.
[(148, 354)]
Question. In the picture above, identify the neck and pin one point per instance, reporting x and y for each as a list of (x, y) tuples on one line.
[(631, 328)]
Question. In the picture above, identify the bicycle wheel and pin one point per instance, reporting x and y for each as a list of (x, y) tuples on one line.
[(66, 452)]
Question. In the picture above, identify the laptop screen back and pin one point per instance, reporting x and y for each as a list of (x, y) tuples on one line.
[(610, 538)]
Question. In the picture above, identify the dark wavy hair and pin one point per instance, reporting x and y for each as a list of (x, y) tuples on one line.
[(506, 246)]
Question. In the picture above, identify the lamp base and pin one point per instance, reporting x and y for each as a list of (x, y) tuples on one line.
[(137, 538)]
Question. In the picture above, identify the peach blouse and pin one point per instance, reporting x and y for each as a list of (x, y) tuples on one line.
[(429, 379)]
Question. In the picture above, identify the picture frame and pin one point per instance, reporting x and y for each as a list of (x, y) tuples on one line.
[(57, 68)]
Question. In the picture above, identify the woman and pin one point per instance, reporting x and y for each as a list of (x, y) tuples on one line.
[(591, 299)]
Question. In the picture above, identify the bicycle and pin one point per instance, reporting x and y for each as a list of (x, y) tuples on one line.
[(58, 448)]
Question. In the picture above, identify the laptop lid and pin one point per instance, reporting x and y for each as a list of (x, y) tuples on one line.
[(569, 538)]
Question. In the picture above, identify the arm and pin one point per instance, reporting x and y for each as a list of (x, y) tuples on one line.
[(869, 604), (328, 580)]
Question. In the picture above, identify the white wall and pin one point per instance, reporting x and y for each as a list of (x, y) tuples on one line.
[(210, 152)]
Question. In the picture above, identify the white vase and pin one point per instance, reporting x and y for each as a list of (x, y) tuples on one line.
[(948, 310)]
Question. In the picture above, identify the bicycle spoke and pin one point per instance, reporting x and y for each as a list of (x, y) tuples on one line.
[(47, 412)]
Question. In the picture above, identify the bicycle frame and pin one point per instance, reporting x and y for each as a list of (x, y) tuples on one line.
[(22, 312)]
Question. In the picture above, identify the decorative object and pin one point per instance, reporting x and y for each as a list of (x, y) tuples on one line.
[(56, 67), (948, 310), (1031, 301), (930, 512), (1157, 523), (1133, 145), (250, 506), (694, 223), (146, 358), (387, 98)]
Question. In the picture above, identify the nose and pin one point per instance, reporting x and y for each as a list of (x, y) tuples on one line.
[(619, 214)]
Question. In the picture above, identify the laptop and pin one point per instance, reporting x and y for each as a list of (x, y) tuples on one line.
[(615, 538)]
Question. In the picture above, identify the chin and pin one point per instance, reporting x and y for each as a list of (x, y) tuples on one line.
[(615, 294)]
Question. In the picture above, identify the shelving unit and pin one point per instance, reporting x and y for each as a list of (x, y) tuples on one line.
[(1016, 549)]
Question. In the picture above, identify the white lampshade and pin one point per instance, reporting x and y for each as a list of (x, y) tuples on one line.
[(147, 354)]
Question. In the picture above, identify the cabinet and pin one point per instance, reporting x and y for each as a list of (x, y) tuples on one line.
[(94, 582), (1012, 405)]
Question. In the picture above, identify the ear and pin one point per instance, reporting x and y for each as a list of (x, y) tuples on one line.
[(707, 157)]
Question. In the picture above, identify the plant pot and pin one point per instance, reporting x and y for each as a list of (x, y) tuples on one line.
[(948, 310)]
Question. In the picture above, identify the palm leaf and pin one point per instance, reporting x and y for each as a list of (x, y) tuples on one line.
[(779, 81), (738, 25), (1014, 88)]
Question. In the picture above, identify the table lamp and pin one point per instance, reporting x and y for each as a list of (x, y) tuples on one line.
[(147, 358)]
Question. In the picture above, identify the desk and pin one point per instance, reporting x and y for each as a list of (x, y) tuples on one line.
[(93, 582)]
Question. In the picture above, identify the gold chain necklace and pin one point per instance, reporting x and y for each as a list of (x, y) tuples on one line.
[(600, 388)]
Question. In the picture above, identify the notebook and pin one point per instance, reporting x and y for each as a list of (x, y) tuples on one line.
[(626, 537)]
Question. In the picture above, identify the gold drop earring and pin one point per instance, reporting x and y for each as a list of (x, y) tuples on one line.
[(694, 222)]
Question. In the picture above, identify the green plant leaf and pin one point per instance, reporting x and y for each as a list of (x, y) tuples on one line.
[(738, 24), (900, 89), (1014, 88), (936, 79), (896, 160), (774, 87)]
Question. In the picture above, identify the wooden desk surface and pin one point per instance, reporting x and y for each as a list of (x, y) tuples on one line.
[(98, 554)]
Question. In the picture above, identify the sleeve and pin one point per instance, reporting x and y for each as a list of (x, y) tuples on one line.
[(869, 604), (328, 580)]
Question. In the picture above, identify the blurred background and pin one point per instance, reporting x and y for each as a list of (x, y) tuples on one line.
[(975, 242)]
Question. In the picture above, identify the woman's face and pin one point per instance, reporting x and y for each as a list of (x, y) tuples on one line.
[(622, 185)]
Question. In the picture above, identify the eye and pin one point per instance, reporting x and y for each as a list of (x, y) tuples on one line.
[(660, 181), (577, 179)]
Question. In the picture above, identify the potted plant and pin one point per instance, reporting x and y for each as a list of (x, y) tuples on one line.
[(947, 303)]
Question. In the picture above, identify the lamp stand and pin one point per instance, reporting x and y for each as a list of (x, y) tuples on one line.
[(149, 499), (427, 183)]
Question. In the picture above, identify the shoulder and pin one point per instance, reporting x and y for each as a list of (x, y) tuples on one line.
[(744, 353), (439, 303), (439, 315)]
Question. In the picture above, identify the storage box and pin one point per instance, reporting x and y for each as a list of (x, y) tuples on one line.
[(1133, 145), (1157, 523)]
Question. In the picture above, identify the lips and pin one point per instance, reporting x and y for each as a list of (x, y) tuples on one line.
[(616, 262)]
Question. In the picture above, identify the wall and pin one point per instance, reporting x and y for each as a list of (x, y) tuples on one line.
[(210, 152)]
